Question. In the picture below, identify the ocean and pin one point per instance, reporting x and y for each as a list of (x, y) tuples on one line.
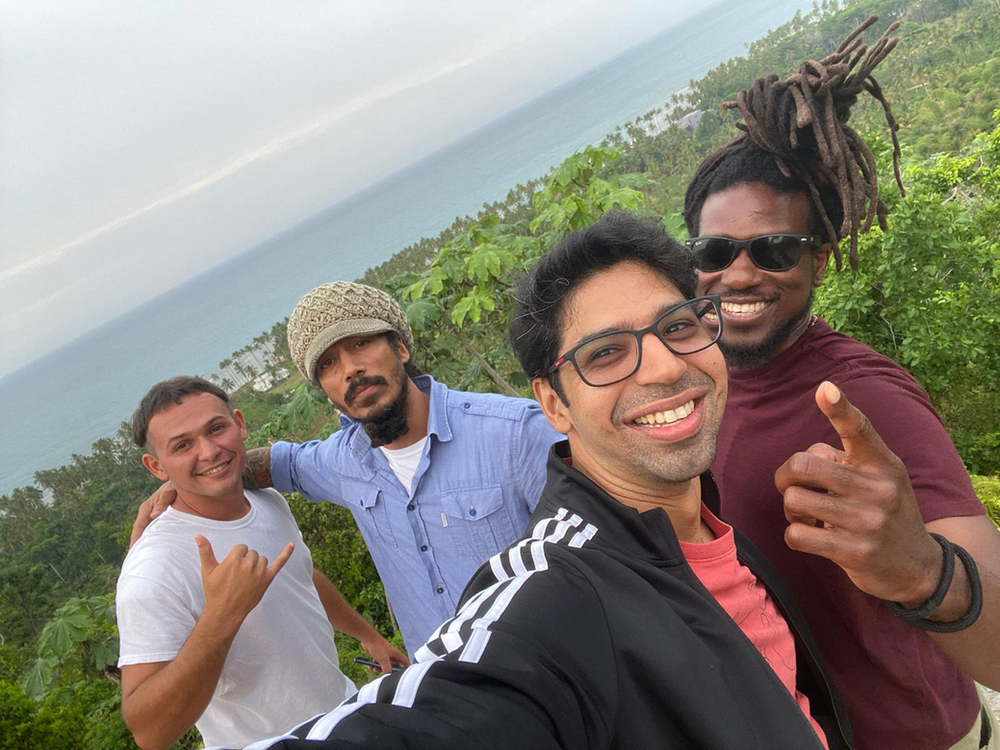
[(60, 404)]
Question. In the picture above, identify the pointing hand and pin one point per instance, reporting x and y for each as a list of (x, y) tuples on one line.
[(856, 507)]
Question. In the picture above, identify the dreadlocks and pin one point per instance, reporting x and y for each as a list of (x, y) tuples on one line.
[(796, 139)]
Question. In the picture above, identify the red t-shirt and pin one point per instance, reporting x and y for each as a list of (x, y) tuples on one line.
[(746, 600), (900, 689)]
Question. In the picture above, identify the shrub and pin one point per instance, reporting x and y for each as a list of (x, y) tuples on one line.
[(988, 489)]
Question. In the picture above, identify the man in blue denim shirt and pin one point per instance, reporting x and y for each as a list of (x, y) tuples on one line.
[(437, 480)]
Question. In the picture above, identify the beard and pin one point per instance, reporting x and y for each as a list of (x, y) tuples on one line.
[(388, 423), (681, 461), (754, 355)]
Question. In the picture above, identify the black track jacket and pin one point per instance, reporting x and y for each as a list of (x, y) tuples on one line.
[(591, 632)]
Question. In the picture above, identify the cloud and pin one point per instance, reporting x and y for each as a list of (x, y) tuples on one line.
[(415, 79)]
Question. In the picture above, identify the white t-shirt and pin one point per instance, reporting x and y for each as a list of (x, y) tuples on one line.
[(282, 667), (404, 461)]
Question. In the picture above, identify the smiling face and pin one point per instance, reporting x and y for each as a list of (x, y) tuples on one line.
[(657, 426), (198, 445), (764, 311)]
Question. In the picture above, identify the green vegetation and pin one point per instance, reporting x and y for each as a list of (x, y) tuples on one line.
[(927, 294), (988, 489)]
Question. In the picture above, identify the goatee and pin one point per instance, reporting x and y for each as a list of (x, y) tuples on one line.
[(388, 424), (755, 355)]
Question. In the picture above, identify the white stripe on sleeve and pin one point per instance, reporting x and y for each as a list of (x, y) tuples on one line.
[(582, 537), (322, 728), (473, 651), (406, 688)]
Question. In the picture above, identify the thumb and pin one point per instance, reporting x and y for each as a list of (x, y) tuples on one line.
[(207, 555), (856, 432)]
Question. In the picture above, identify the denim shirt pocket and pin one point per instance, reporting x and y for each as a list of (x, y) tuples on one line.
[(478, 523), (365, 501)]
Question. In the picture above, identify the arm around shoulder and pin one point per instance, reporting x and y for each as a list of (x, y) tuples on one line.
[(310, 468)]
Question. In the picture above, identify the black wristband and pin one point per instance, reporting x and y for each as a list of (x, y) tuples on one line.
[(944, 583), (917, 618)]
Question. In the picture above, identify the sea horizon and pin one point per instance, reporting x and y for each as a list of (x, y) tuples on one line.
[(70, 397)]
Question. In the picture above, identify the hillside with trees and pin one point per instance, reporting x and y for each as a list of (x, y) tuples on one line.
[(926, 293)]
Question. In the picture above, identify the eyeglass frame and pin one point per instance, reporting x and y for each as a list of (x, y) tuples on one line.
[(805, 240), (570, 356)]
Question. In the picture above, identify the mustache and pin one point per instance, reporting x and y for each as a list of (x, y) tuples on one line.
[(362, 381)]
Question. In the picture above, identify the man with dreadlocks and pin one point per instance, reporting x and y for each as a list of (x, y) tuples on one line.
[(854, 529)]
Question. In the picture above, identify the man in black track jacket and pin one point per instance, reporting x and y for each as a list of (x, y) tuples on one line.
[(629, 615)]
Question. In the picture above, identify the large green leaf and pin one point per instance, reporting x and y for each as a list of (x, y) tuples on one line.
[(69, 626), (422, 313), (39, 677)]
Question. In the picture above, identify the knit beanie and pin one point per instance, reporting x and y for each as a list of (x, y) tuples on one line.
[(334, 311)]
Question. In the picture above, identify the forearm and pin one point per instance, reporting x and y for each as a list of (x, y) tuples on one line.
[(257, 471), (973, 649), (164, 706), (342, 616)]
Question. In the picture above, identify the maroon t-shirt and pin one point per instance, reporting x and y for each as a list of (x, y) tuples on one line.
[(900, 689)]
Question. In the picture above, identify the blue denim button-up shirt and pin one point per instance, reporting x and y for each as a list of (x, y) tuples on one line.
[(477, 483)]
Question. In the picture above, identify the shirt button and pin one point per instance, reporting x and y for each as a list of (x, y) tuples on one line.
[(472, 511), (466, 406), (410, 506), (423, 547), (440, 590)]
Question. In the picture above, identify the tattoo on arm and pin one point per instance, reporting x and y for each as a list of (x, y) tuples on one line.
[(257, 472)]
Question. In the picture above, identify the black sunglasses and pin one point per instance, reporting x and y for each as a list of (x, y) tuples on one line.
[(609, 358), (769, 252)]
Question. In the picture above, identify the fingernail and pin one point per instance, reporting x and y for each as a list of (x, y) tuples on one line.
[(832, 393)]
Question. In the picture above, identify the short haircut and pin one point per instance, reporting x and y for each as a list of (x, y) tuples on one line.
[(618, 237), (165, 393)]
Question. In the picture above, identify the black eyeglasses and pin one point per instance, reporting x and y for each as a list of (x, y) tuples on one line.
[(769, 252), (609, 358)]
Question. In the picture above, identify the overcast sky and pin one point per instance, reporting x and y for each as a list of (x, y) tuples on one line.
[(144, 142)]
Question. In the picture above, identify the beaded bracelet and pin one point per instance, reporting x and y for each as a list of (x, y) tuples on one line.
[(917, 618)]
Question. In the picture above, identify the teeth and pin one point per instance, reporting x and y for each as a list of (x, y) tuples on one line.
[(669, 416), (216, 470), (743, 308)]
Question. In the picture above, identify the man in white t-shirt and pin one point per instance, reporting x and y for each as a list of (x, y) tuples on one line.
[(201, 638)]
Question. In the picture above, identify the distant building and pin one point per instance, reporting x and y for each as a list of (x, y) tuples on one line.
[(267, 380), (690, 121)]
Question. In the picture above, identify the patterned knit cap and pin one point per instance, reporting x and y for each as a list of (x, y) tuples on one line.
[(334, 311)]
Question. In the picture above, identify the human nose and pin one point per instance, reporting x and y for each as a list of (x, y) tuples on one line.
[(742, 273), (659, 365), (352, 365), (207, 449)]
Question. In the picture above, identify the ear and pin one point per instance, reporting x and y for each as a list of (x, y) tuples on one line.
[(238, 418), (553, 406), (152, 464), (821, 259)]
